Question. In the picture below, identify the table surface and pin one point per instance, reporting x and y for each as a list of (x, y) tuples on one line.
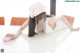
[(60, 41)]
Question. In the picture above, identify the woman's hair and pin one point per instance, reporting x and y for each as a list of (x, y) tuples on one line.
[(41, 16)]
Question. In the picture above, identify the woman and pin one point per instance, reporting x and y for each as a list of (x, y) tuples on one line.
[(52, 23), (38, 17)]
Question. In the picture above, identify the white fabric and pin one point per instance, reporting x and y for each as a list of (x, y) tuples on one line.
[(60, 25), (36, 9)]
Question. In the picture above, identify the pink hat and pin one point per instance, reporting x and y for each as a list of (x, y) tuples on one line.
[(36, 9)]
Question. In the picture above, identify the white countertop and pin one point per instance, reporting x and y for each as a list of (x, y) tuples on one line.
[(61, 41)]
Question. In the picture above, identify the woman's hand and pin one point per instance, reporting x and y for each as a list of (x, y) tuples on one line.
[(9, 37)]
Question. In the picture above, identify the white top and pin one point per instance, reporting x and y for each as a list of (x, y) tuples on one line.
[(36, 9)]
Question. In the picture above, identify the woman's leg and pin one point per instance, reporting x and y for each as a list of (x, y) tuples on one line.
[(52, 23), (68, 24)]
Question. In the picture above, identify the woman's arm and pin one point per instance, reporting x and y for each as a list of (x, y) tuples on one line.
[(24, 25)]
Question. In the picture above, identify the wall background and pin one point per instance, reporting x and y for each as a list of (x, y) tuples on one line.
[(69, 8), (18, 8)]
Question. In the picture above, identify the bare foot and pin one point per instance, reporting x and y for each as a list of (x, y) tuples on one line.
[(9, 37)]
